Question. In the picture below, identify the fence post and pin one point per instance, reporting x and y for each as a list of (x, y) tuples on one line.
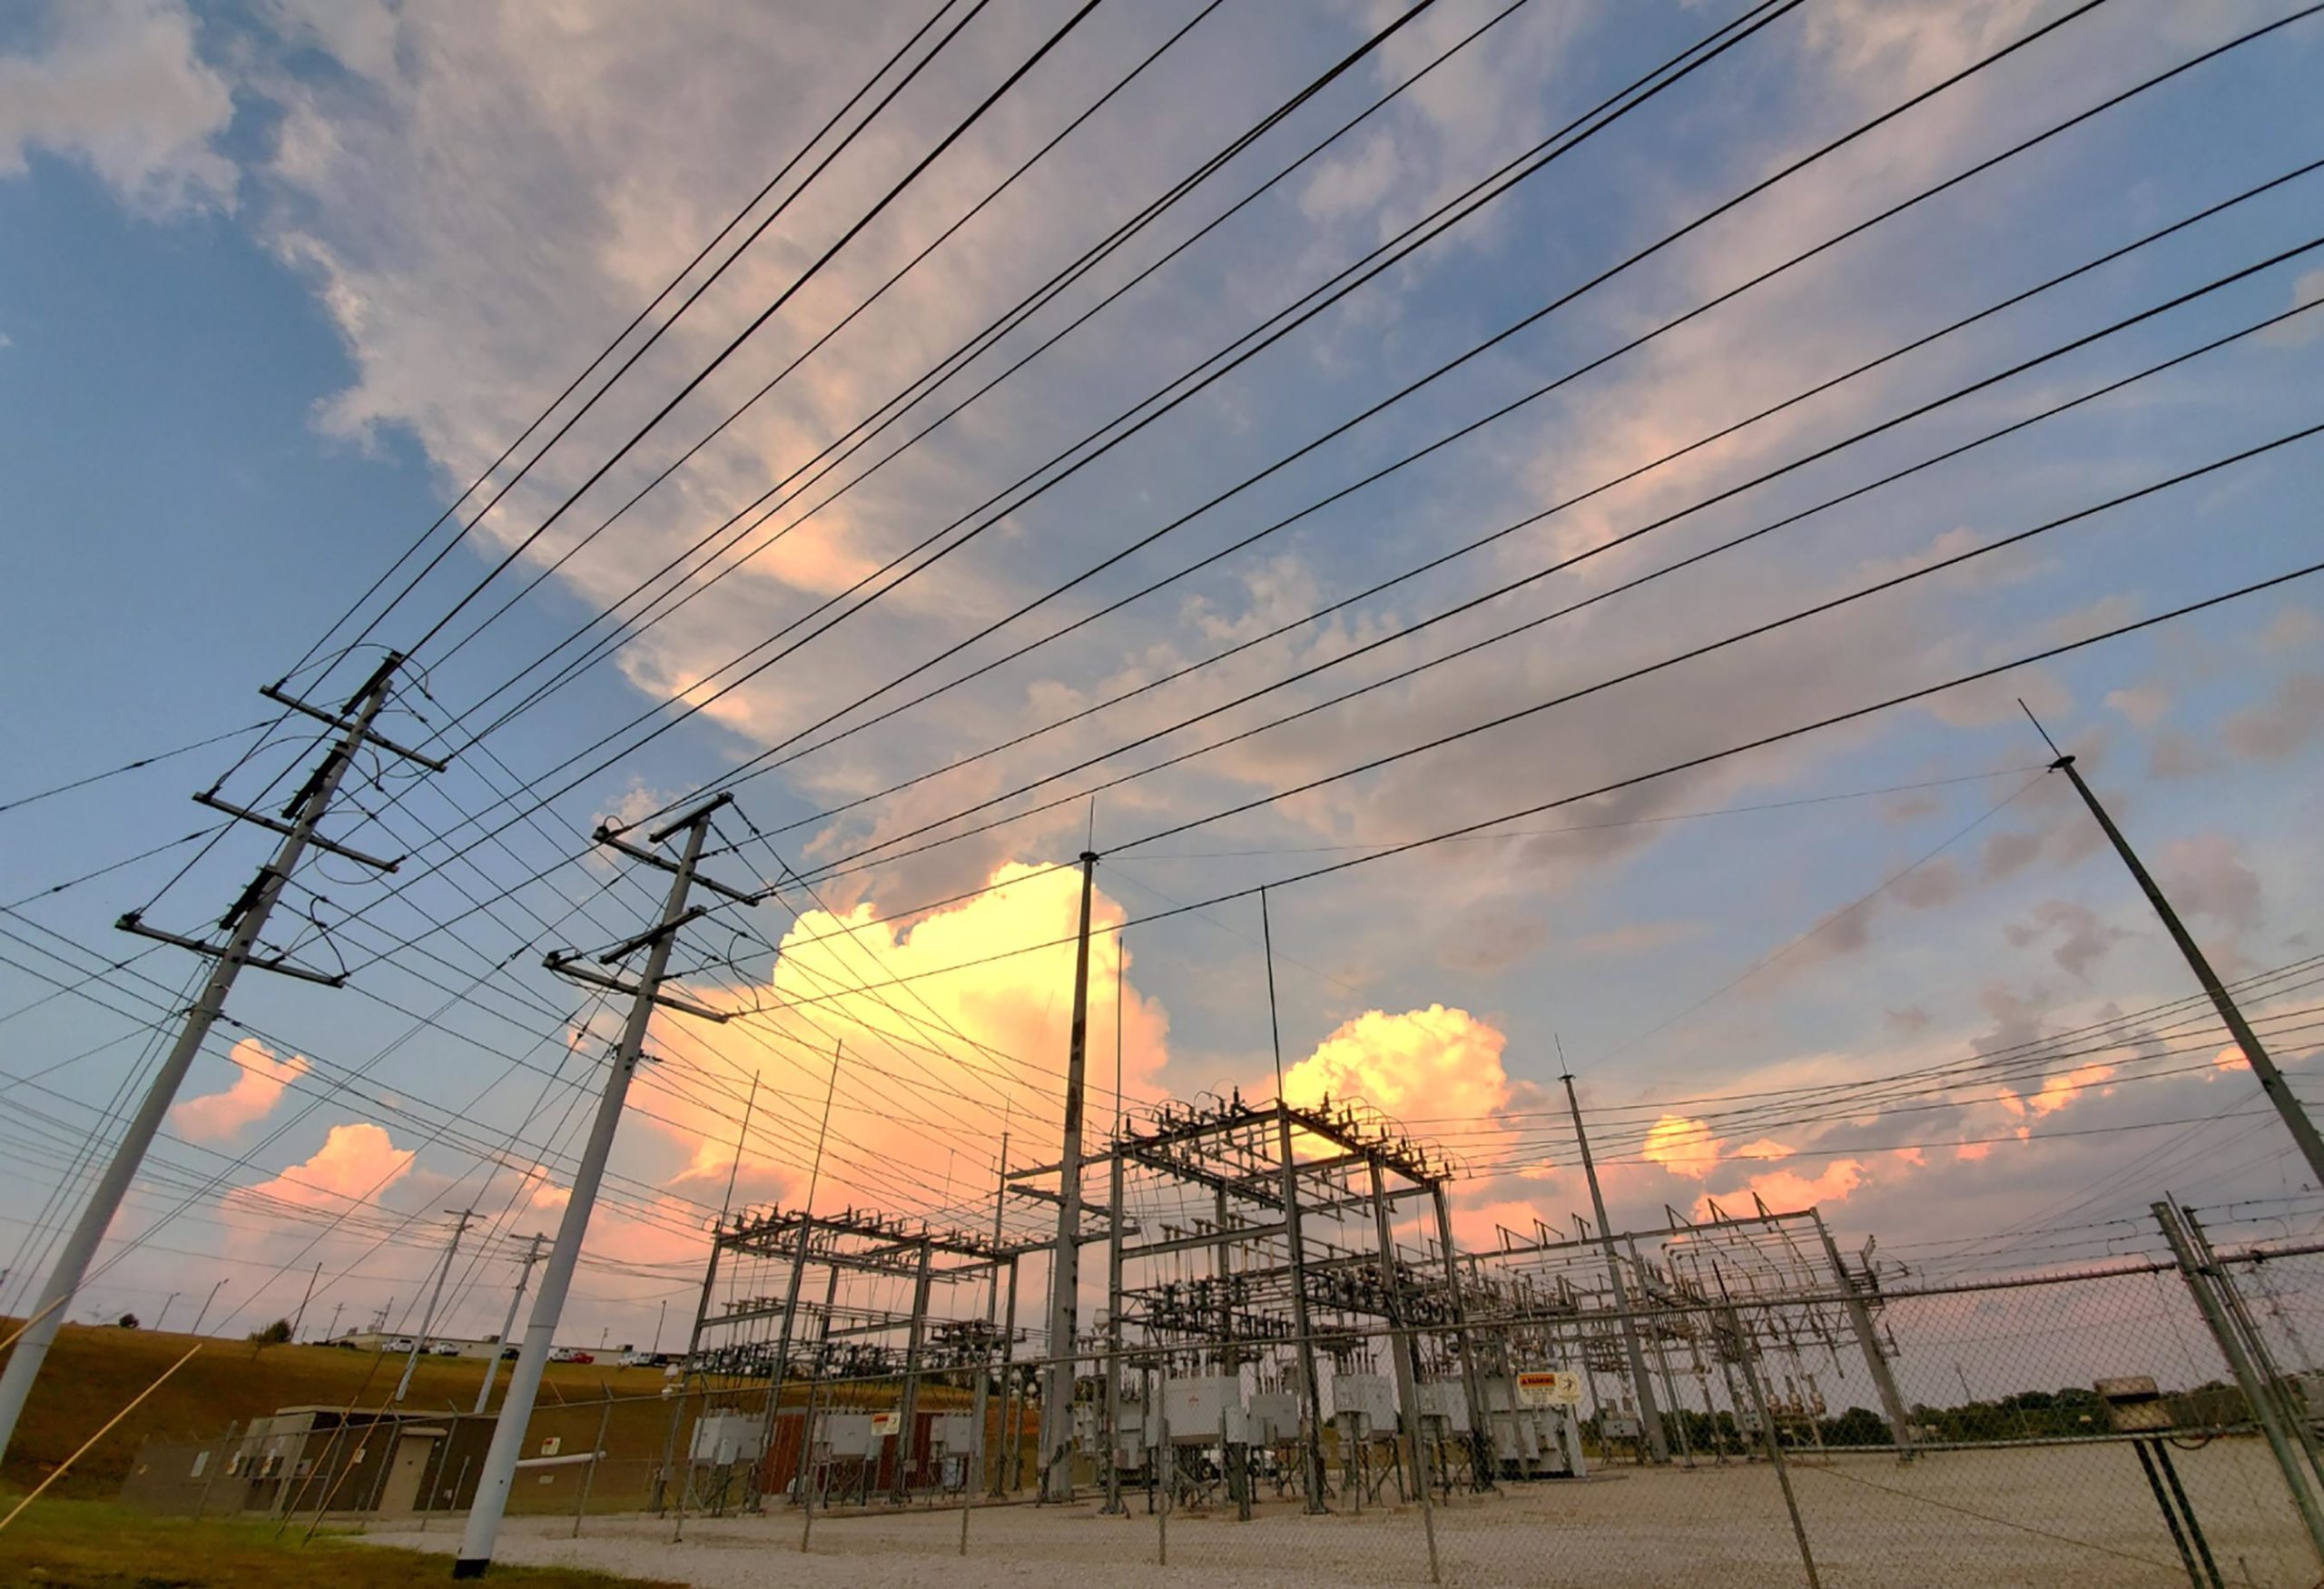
[(1744, 1350), (2259, 1395), (597, 1455), (210, 1483), (807, 1458), (1166, 1453)]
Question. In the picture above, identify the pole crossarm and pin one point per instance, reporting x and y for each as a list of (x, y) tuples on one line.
[(497, 1475), (275, 824), (242, 925), (133, 923), (565, 966), (348, 723)]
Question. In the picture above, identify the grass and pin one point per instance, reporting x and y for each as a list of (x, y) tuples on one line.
[(93, 1372), (89, 1545)]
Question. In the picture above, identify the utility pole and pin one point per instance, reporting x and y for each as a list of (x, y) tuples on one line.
[(1311, 1401), (1064, 1267), (499, 1471), (2272, 1080), (206, 1301), (799, 1259), (335, 1309), (1650, 1415), (243, 924), (1867, 1340), (164, 1313), (300, 1317), (460, 1216), (524, 1273)]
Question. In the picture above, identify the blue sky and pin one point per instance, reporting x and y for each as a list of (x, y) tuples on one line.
[(278, 278)]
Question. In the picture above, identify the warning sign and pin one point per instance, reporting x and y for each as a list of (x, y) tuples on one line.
[(1548, 1388), (886, 1424)]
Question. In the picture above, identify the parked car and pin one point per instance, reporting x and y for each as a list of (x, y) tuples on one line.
[(571, 1355)]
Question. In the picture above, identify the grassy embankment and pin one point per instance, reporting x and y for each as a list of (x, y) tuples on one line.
[(89, 1545), (93, 1373)]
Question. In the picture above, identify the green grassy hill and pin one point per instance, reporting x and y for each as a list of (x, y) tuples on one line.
[(93, 1372)]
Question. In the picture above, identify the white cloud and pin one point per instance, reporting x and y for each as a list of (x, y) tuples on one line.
[(258, 1084), (356, 1163), (118, 85)]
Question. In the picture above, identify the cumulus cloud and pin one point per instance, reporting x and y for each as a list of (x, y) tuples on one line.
[(985, 1045), (1436, 1065), (1682, 1146), (356, 1163), (1786, 1190), (213, 1117), (119, 86), (2056, 1092)]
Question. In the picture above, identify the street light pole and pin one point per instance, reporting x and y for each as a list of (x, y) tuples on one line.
[(206, 1301)]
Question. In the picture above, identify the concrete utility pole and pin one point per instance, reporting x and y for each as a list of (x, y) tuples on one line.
[(499, 1471), (2272, 1080), (1648, 1414), (461, 1218), (243, 922), (1064, 1267), (524, 1274), (1311, 1397)]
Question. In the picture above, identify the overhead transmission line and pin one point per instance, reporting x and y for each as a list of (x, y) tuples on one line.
[(1279, 326), (645, 313), (870, 856), (842, 447), (1695, 56), (1480, 197), (131, 766), (1620, 587), (1441, 560), (548, 569), (768, 312), (1670, 769)]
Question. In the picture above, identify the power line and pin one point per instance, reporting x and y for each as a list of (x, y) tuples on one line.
[(774, 306), (143, 761), (1667, 770), (639, 319)]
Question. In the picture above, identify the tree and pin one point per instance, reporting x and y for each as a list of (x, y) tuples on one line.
[(127, 1321), (273, 1335)]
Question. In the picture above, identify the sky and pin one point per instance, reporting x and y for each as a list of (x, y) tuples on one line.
[(279, 279)]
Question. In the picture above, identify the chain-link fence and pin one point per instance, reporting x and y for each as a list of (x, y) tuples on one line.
[(2151, 1422)]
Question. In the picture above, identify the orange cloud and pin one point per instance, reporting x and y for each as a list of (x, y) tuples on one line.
[(1682, 1146), (2056, 1093), (959, 1053), (1786, 1190), (2231, 1058), (215, 1116), (1437, 1065), (356, 1163)]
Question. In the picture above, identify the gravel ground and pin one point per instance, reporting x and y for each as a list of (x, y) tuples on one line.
[(2049, 1518)]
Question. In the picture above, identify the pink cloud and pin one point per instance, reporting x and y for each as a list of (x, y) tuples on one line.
[(215, 1116)]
